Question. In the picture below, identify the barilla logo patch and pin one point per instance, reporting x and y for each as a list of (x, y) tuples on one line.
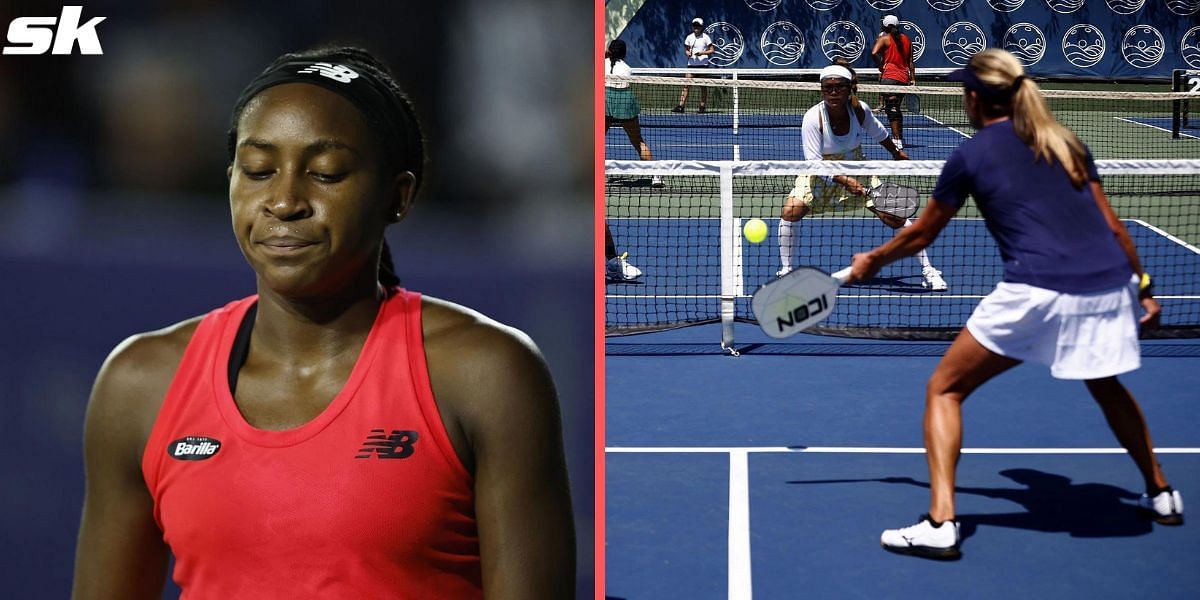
[(193, 447)]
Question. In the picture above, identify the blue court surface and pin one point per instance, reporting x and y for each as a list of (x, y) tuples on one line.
[(771, 475), (1191, 130)]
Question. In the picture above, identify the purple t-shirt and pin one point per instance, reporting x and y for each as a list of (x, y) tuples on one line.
[(1050, 234)]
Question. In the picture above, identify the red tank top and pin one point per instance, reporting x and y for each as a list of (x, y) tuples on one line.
[(895, 63), (367, 500)]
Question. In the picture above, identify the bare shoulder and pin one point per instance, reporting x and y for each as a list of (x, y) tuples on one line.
[(479, 364), (477, 341), (134, 379)]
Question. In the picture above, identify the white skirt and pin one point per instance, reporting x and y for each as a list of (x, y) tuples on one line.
[(1079, 336)]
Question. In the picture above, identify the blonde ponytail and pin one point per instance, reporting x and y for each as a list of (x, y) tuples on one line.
[(1032, 120)]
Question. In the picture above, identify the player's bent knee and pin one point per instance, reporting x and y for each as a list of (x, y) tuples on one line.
[(794, 210)]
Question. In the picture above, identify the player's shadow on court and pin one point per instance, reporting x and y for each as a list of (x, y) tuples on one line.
[(631, 182), (910, 285), (1052, 504)]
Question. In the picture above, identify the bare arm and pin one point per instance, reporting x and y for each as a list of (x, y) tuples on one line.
[(908, 242), (912, 68), (881, 44), (501, 391), (1151, 306), (120, 552)]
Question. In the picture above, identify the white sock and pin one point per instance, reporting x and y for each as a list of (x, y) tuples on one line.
[(787, 237), (922, 256)]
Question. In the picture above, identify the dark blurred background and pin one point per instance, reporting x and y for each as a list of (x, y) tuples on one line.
[(114, 213)]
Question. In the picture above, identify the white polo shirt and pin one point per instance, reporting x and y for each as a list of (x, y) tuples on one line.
[(698, 44)]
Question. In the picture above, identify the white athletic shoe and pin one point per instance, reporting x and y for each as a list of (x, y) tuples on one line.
[(783, 271), (933, 279), (1166, 508), (619, 269), (656, 181), (923, 539)]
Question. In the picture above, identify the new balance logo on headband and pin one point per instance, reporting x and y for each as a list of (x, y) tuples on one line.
[(33, 35), (332, 71)]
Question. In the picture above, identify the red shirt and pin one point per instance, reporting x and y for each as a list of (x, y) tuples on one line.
[(367, 500), (895, 60)]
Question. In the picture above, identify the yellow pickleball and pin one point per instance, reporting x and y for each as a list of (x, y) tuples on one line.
[(755, 230)]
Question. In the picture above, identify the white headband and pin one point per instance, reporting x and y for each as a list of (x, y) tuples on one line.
[(836, 71)]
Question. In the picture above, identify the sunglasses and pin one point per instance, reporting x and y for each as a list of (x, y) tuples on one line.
[(835, 88)]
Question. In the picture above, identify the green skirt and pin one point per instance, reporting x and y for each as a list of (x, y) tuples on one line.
[(620, 104)]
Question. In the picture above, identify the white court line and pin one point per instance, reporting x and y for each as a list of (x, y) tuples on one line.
[(958, 131), (870, 450), (1165, 234), (739, 526), (1127, 120)]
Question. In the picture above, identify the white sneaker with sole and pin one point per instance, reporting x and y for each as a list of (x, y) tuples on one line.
[(923, 539), (619, 269), (1166, 508), (783, 271), (933, 279), (656, 181)]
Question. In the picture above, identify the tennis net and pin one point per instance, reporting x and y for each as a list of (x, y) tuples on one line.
[(760, 119), (686, 237)]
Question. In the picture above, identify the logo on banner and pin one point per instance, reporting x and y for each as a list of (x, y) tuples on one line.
[(945, 5), (824, 4), (1006, 5), (1125, 7), (1083, 45), (1189, 47), (843, 39), (1026, 42), (884, 4), (916, 36), (961, 41), (1183, 7), (728, 41), (782, 43), (1064, 6), (763, 5), (1142, 46)]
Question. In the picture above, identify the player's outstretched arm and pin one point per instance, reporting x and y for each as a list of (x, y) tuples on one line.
[(500, 388), (120, 552)]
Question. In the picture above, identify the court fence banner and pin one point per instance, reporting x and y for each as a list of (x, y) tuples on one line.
[(1099, 39)]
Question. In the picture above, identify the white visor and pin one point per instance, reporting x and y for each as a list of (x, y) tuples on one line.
[(836, 71)]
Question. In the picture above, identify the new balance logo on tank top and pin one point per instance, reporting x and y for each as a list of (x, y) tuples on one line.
[(367, 500)]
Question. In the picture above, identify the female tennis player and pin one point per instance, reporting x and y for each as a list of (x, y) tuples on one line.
[(621, 106), (335, 435), (1069, 295), (894, 56), (832, 130)]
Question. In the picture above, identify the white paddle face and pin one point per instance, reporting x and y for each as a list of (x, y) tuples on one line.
[(794, 302)]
